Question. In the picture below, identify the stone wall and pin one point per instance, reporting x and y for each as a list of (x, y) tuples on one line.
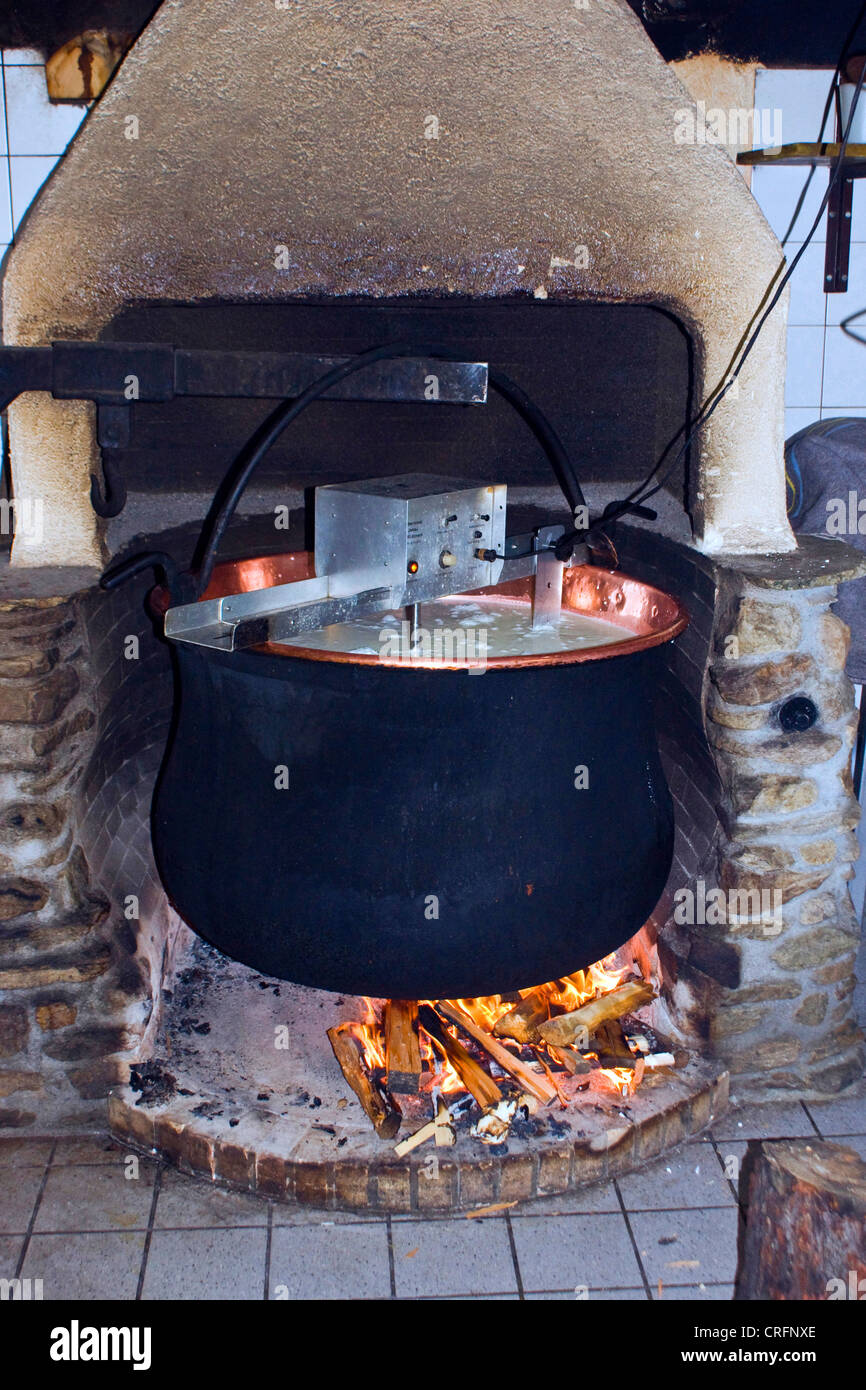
[(766, 983), (74, 999)]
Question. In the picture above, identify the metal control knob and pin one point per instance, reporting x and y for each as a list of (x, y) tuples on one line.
[(447, 559)]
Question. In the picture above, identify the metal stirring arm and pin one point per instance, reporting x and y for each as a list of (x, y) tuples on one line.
[(287, 611)]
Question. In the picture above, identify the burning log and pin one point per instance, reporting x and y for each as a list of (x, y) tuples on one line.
[(588, 1018), (611, 1046), (402, 1049), (471, 1073), (542, 1090), (572, 1061), (381, 1109), (521, 1022)]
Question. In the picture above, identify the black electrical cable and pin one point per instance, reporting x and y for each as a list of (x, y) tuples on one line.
[(270, 430), (642, 493), (837, 72), (846, 328)]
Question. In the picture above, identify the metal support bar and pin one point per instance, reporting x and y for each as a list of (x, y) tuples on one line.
[(547, 589), (838, 249), (116, 375)]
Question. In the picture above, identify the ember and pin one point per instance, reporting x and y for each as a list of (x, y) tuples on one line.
[(486, 1062)]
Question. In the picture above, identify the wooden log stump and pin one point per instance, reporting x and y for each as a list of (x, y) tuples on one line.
[(805, 1233)]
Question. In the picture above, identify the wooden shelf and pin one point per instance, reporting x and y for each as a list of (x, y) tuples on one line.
[(827, 153), (839, 204)]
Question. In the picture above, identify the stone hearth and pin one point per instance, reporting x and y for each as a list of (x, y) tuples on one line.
[(229, 1102)]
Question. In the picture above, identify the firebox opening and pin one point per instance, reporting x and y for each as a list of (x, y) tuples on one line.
[(616, 381)]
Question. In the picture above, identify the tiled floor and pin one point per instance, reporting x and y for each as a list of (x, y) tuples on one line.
[(91, 1221)]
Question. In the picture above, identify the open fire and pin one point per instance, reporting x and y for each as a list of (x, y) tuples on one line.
[(489, 1063)]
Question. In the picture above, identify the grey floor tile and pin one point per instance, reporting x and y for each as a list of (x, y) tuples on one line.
[(846, 1116), (99, 1198), (595, 1296), (88, 1148), (185, 1201), (102, 1264), (691, 1178), (568, 1252), (698, 1293), (472, 1298), (194, 1265), (10, 1250), (600, 1197), (25, 1153), (452, 1257), (732, 1152), (293, 1214), (687, 1247), (333, 1262), (19, 1188), (782, 1121)]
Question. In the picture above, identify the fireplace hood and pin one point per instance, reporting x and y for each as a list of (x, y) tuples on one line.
[(366, 150)]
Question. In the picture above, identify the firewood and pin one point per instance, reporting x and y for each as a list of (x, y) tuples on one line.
[(653, 1060), (471, 1073), (415, 1140), (563, 1100), (572, 1061), (611, 1047), (445, 1136), (537, 1087), (381, 1109), (402, 1050), (521, 1022), (664, 1044), (806, 1224), (585, 1020)]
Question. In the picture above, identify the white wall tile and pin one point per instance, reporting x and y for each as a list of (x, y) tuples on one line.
[(798, 417), (808, 300), (36, 126), (844, 372), (13, 57), (799, 94), (777, 189), (805, 360), (29, 172)]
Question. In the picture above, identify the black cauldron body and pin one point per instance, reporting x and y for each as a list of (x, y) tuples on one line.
[(437, 838)]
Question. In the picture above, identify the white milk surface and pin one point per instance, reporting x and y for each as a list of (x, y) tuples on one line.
[(465, 628)]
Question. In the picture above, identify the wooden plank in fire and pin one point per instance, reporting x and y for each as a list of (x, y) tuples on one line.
[(380, 1108), (535, 1085), (585, 1020), (471, 1073), (402, 1049), (521, 1022)]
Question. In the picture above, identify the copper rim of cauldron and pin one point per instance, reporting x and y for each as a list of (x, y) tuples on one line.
[(650, 615)]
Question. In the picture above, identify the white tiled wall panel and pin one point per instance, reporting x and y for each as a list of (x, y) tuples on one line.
[(826, 368), (33, 135)]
